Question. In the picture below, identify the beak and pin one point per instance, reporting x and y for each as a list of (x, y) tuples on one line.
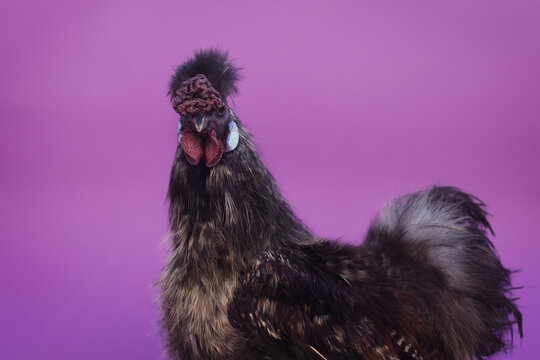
[(200, 122)]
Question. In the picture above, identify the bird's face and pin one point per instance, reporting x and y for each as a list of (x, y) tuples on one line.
[(208, 135), (206, 128)]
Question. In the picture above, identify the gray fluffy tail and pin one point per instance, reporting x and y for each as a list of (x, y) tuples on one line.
[(438, 254)]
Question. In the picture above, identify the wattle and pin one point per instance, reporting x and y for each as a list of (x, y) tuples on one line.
[(194, 150), (213, 150), (192, 146)]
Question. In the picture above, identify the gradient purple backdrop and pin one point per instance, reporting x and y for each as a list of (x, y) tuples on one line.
[(351, 105)]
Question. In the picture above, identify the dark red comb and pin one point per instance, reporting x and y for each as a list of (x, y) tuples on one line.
[(196, 96)]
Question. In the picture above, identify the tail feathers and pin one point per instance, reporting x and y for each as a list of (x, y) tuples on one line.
[(463, 288)]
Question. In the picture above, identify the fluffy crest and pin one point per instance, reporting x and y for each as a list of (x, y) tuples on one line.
[(215, 66)]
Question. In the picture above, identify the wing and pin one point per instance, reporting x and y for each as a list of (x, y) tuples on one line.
[(286, 298), (426, 277)]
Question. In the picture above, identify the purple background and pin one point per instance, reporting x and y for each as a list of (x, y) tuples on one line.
[(351, 105)]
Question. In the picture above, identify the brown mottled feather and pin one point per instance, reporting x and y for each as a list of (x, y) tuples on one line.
[(247, 280)]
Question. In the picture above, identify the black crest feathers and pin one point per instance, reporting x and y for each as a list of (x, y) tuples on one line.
[(247, 280), (213, 64)]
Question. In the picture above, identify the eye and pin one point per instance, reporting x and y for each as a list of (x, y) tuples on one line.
[(221, 111), (179, 128)]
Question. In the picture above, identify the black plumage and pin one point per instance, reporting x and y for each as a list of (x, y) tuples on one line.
[(247, 280), (215, 66)]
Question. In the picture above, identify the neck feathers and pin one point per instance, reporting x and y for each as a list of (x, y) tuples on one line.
[(230, 212)]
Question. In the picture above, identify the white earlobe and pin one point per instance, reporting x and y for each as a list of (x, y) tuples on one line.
[(179, 130), (233, 137)]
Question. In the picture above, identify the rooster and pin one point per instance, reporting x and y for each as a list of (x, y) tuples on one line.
[(247, 280)]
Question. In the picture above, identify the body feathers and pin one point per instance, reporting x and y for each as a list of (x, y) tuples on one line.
[(247, 280)]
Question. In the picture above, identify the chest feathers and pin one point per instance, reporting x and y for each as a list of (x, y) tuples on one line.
[(198, 284)]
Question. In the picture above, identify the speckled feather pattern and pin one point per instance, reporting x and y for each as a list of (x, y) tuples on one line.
[(247, 280)]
